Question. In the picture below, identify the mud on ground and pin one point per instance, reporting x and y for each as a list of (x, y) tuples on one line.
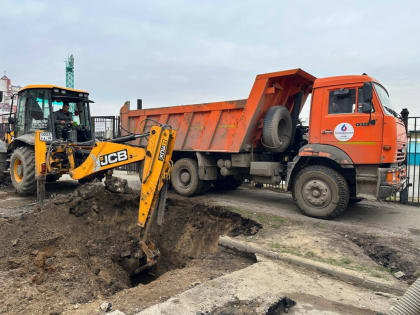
[(83, 246)]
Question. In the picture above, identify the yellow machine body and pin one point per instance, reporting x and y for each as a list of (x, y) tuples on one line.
[(104, 156)]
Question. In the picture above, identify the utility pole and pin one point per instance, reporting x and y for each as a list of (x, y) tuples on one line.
[(70, 72)]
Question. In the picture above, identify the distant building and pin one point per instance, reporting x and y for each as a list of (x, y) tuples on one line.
[(9, 91)]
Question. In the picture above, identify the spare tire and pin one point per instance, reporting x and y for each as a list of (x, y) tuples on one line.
[(277, 129)]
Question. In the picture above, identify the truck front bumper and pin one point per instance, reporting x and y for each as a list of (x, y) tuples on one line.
[(390, 181)]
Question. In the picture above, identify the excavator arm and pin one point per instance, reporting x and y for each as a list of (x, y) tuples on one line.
[(105, 156)]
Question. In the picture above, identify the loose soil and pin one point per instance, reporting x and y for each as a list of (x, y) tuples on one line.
[(374, 254), (396, 254), (84, 246)]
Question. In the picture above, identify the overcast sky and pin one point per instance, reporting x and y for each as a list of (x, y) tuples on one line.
[(185, 52)]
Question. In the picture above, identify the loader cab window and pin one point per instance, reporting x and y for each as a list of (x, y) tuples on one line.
[(342, 101), (20, 115), (38, 110), (79, 109)]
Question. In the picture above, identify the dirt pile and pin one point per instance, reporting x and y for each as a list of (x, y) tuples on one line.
[(82, 246)]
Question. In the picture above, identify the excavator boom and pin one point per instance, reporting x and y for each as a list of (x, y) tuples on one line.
[(105, 156)]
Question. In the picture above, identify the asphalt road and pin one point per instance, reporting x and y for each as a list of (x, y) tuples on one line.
[(391, 216)]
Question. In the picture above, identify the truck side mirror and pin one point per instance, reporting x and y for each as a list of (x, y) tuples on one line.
[(367, 92), (1, 96), (12, 120)]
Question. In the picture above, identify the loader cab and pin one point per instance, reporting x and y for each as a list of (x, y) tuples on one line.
[(38, 106)]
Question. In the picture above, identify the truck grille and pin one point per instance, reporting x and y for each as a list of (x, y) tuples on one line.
[(400, 155)]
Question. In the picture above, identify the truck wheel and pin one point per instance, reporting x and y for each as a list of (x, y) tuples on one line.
[(185, 178), (228, 183), (277, 128), (22, 170), (321, 192)]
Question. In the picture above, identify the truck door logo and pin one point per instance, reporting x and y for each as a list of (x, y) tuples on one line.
[(114, 157), (343, 131)]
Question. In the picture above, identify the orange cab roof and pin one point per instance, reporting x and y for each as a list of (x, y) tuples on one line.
[(344, 79), (51, 86)]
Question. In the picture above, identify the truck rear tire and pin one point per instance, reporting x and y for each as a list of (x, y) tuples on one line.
[(321, 192), (185, 179), (277, 128), (22, 170)]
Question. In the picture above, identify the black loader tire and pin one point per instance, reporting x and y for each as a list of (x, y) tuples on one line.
[(227, 183), (321, 192), (22, 170), (3, 168), (185, 179), (277, 129)]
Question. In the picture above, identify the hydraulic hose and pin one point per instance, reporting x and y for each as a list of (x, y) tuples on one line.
[(410, 301)]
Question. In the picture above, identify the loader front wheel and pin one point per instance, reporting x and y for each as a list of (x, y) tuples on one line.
[(22, 170), (185, 179), (3, 168), (321, 192)]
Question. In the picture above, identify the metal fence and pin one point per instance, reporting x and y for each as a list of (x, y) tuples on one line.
[(413, 160), (106, 126), (109, 126)]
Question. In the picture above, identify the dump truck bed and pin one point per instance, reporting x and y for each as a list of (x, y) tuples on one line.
[(229, 126)]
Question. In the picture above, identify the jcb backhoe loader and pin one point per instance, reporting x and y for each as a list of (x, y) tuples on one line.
[(35, 150)]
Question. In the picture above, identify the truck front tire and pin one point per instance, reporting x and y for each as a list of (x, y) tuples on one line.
[(185, 179), (321, 192), (22, 170)]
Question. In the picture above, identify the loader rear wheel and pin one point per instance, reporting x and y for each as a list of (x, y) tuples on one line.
[(321, 192), (277, 128), (185, 178), (22, 170)]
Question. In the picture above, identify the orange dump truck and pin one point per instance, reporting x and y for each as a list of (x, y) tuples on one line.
[(354, 146)]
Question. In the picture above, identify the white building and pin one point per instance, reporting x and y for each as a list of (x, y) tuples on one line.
[(9, 92)]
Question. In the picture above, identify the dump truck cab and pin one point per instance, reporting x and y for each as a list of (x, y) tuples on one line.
[(354, 127), (39, 106)]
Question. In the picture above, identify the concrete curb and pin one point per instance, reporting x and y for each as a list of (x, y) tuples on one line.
[(343, 274)]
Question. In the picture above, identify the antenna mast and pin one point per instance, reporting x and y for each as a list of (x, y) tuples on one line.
[(70, 72)]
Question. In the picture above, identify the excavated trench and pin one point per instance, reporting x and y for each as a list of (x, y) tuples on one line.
[(85, 245)]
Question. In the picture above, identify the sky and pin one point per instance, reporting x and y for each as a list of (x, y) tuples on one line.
[(186, 52)]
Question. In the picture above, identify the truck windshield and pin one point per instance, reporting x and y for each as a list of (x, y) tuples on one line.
[(385, 100)]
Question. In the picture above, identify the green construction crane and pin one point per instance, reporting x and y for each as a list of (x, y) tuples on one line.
[(70, 72)]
